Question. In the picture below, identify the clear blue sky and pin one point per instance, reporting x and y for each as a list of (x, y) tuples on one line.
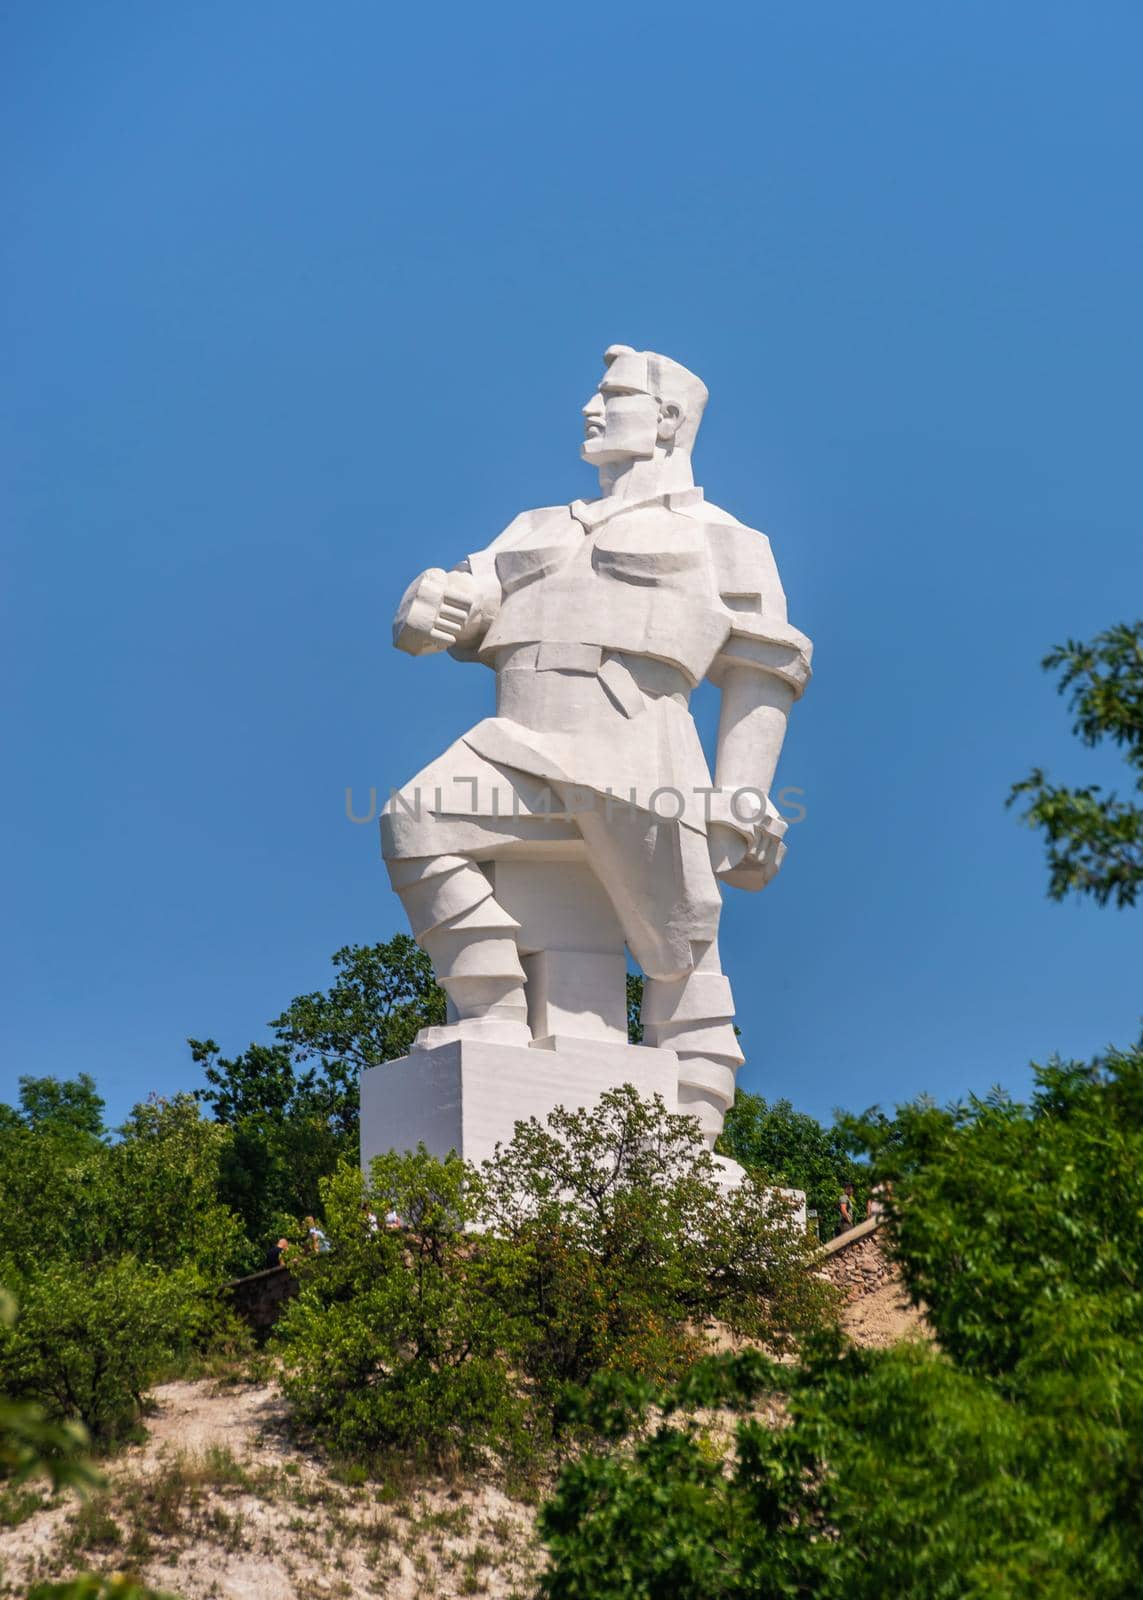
[(300, 298)]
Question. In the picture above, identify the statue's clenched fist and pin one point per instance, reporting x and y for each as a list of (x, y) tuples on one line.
[(749, 865), (436, 611)]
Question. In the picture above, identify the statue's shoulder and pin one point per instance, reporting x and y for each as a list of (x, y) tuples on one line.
[(718, 520), (546, 518), (743, 561)]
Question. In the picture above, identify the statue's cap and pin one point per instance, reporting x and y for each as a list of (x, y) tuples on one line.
[(650, 373)]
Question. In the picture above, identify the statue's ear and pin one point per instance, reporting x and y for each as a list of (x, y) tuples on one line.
[(670, 421)]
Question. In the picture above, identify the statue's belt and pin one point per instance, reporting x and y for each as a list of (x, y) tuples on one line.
[(629, 680)]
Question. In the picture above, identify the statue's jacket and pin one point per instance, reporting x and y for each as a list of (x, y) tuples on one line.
[(601, 617)]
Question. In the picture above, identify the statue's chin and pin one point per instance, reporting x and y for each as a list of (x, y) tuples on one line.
[(599, 454)]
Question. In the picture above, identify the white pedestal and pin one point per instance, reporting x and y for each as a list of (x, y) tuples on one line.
[(468, 1094)]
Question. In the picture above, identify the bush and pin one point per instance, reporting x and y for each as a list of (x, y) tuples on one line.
[(599, 1242), (88, 1340), (394, 1341), (624, 1247)]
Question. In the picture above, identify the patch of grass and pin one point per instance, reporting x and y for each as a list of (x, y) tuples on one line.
[(92, 1527), (445, 1521), (17, 1505), (378, 1530)]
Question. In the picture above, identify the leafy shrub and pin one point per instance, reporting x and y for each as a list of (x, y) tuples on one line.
[(89, 1339), (154, 1194), (394, 1341), (785, 1146), (623, 1246)]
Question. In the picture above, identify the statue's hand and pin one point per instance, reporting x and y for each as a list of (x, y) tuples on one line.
[(749, 863), (435, 612)]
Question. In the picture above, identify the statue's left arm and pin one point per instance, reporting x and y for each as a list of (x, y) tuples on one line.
[(762, 668)]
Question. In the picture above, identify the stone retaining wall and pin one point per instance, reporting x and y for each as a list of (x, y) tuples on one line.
[(261, 1298), (856, 1263)]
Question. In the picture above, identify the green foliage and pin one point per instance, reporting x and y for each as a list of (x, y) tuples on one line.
[(94, 1586), (292, 1106), (634, 1008), (624, 1246), (160, 1191), (1095, 841), (597, 1242), (72, 1106), (394, 1342), (115, 1252), (153, 1194), (785, 1146), (1006, 1466), (382, 996), (30, 1443), (1016, 1224), (89, 1339)]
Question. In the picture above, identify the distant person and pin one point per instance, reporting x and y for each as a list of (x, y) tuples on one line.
[(845, 1209), (319, 1244), (393, 1221), (369, 1217), (273, 1256)]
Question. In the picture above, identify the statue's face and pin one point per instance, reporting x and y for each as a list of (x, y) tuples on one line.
[(620, 424)]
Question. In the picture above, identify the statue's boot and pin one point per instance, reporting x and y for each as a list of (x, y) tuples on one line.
[(471, 941), (693, 1015)]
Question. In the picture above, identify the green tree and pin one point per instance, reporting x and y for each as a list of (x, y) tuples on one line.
[(784, 1146), (382, 996), (31, 1443), (599, 1241), (69, 1107), (159, 1193), (89, 1340), (292, 1106), (115, 1252), (1095, 840), (1005, 1465)]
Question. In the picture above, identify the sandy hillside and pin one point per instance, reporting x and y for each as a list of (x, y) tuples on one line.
[(219, 1505)]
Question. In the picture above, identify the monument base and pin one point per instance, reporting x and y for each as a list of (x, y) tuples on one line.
[(467, 1095)]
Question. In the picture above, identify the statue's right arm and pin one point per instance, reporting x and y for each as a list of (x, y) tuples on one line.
[(439, 610), (454, 610)]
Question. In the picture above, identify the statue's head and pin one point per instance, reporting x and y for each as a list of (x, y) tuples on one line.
[(645, 405)]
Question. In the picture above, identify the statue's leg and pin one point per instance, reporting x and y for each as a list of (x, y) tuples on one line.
[(661, 882), (458, 807), (693, 1015), (471, 941)]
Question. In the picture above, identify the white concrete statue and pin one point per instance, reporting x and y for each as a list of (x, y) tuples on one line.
[(581, 818)]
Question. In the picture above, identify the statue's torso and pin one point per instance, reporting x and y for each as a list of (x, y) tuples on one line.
[(642, 584)]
